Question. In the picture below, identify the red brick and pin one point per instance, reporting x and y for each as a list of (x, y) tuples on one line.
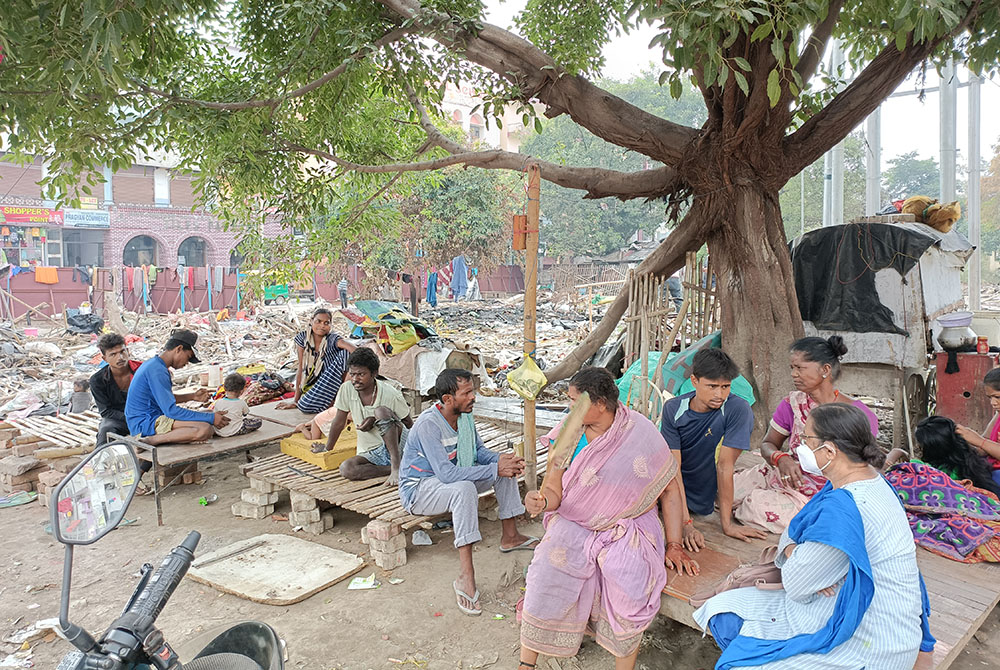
[(382, 530), (51, 477)]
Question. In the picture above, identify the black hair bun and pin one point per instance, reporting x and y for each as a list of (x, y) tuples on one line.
[(873, 455), (836, 343)]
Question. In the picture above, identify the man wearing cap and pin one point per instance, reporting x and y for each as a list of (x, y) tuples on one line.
[(151, 407)]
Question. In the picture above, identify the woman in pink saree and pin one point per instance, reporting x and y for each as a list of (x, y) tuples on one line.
[(770, 494), (600, 568)]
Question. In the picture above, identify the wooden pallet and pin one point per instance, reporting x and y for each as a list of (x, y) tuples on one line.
[(962, 595), (369, 497), (64, 430)]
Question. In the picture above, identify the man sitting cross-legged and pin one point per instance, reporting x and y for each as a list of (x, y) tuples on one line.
[(377, 409), (151, 406), (707, 430), (445, 468)]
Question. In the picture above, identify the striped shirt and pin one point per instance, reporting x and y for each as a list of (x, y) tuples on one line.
[(342, 286), (322, 393), (889, 635)]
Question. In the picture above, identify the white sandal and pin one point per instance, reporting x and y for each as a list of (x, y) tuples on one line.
[(459, 595)]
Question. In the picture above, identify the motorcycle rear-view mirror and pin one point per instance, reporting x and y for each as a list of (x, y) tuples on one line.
[(91, 501)]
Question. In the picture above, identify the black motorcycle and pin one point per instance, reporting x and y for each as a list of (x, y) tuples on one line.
[(87, 505)]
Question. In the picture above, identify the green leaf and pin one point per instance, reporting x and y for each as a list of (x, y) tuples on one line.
[(773, 87), (762, 31), (676, 88), (538, 125), (742, 62), (742, 82)]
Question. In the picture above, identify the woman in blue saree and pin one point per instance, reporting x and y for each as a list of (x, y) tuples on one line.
[(852, 594)]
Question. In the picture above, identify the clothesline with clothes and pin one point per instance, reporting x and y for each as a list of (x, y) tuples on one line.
[(140, 281)]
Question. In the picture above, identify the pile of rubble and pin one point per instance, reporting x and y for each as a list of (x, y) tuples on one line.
[(497, 329)]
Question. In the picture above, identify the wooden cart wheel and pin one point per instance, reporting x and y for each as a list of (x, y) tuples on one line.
[(930, 387), (916, 399)]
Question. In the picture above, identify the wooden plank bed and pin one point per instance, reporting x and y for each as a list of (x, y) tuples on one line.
[(169, 455), (962, 595), (369, 497)]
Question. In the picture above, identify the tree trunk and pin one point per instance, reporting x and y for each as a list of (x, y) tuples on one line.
[(760, 313)]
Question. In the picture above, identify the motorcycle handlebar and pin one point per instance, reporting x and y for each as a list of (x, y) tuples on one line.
[(161, 586)]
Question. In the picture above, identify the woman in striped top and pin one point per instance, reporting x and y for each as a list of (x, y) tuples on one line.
[(852, 594), (322, 364)]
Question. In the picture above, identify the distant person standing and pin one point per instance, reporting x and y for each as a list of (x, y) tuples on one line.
[(459, 277), (432, 287), (342, 290)]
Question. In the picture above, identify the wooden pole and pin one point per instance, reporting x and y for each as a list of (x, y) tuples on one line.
[(530, 299)]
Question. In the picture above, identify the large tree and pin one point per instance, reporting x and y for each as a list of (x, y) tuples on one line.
[(575, 225), (289, 105)]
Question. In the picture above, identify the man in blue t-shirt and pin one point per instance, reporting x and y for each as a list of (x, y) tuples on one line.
[(707, 429), (151, 409)]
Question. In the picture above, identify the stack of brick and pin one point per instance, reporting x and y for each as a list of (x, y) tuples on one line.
[(20, 473), (387, 543), (256, 502), (306, 515), (7, 435), (47, 482), (183, 474)]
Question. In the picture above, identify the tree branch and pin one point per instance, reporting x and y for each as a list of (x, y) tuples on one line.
[(812, 53), (385, 40), (597, 182), (862, 97), (537, 75), (689, 235)]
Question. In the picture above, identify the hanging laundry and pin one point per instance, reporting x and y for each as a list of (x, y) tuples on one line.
[(190, 279), (182, 275), (218, 278), (151, 274), (83, 272), (47, 275)]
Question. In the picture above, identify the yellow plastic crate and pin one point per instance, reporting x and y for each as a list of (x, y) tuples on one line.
[(298, 446)]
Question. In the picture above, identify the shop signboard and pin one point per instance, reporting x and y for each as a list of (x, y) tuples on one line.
[(87, 218), (22, 215)]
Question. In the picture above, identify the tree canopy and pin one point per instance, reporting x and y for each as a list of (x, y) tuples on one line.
[(314, 109)]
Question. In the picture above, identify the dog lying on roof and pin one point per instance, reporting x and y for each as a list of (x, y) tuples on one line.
[(936, 215)]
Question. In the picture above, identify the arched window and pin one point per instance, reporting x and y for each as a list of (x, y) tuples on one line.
[(140, 250), (192, 252), (236, 258), (477, 128), (456, 116)]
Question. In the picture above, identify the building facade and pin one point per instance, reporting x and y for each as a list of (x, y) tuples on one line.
[(139, 216)]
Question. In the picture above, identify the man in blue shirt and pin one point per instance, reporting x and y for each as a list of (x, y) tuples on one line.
[(151, 407), (444, 469), (707, 429)]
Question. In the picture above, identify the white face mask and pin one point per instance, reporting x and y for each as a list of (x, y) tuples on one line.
[(807, 459)]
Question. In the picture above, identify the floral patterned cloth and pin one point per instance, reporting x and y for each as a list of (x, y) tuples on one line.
[(949, 518)]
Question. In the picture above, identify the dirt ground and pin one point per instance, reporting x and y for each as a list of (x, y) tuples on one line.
[(414, 624)]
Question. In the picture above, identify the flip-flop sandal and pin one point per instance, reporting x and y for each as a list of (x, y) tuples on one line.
[(459, 595), (143, 490), (524, 546)]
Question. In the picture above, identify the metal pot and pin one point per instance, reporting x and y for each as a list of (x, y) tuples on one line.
[(956, 337)]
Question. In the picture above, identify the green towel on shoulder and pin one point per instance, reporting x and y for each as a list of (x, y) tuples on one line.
[(466, 440)]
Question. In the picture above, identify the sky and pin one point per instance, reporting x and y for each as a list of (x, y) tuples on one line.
[(908, 124)]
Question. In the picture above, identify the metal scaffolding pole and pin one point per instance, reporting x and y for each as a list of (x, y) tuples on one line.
[(837, 153), (975, 194), (949, 130), (873, 163)]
